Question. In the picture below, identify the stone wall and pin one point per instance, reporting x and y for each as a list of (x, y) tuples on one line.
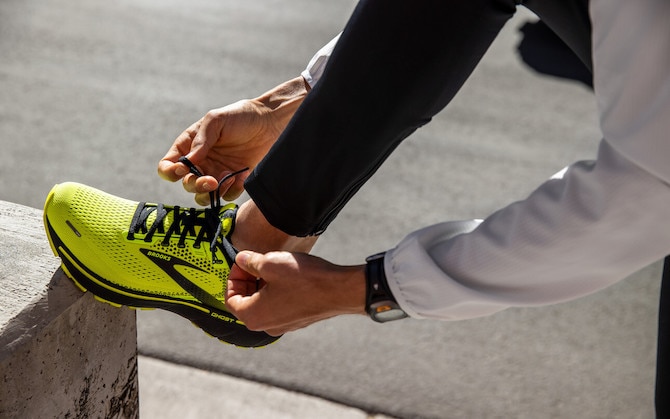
[(62, 353)]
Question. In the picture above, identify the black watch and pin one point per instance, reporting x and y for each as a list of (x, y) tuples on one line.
[(379, 302)]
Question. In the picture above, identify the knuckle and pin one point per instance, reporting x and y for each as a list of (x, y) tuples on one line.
[(211, 114), (251, 324)]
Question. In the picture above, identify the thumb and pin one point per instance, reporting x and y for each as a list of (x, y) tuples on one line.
[(207, 135), (248, 261)]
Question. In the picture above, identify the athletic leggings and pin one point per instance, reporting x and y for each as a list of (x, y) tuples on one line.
[(396, 65)]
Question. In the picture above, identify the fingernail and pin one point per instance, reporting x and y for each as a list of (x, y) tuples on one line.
[(180, 171), (209, 186)]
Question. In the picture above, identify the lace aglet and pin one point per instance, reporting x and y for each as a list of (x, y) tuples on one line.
[(190, 165)]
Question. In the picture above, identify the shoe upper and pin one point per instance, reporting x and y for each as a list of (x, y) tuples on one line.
[(144, 247)]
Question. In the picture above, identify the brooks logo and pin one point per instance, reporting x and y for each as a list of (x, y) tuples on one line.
[(169, 265), (158, 255)]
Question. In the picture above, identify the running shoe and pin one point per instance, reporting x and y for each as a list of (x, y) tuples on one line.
[(146, 255)]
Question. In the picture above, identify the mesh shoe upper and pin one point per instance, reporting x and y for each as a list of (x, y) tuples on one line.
[(108, 235)]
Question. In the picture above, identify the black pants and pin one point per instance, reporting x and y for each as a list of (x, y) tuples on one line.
[(396, 65)]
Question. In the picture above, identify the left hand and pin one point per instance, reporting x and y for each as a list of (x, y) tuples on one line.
[(279, 292)]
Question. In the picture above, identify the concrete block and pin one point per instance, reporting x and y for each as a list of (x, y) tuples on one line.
[(62, 353)]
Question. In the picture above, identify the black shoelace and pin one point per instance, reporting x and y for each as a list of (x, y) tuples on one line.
[(185, 221)]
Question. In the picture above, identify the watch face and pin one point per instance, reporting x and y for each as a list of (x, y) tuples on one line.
[(386, 311), (390, 315)]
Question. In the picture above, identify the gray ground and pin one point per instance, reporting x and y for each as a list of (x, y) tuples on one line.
[(95, 92)]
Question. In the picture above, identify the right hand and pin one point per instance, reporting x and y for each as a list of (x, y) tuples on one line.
[(223, 141), (231, 138), (279, 292)]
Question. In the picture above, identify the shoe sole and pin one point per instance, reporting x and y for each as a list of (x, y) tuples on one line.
[(216, 323)]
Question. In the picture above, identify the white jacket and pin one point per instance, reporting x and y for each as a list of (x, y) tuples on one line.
[(589, 226)]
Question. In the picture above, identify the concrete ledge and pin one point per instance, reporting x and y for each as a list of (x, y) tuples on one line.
[(62, 354)]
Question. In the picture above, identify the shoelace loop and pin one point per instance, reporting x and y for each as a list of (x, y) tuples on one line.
[(184, 222)]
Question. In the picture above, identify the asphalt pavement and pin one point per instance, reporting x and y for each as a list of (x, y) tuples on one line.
[(95, 92)]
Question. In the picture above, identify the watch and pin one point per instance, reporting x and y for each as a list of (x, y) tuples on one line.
[(379, 302)]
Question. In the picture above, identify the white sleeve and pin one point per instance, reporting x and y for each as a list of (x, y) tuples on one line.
[(593, 224), (631, 64), (317, 64)]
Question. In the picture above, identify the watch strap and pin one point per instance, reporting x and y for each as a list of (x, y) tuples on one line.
[(377, 289)]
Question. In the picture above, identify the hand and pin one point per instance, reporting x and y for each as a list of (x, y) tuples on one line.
[(294, 290), (223, 141), (231, 138)]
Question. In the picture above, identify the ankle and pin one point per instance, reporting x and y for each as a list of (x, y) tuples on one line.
[(254, 232)]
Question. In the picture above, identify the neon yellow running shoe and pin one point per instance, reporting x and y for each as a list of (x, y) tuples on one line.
[(145, 255)]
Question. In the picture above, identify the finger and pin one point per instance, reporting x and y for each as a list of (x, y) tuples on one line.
[(188, 182), (241, 292), (207, 134), (170, 170), (234, 187), (199, 185), (202, 199), (169, 167), (225, 189), (276, 332), (239, 274), (243, 287), (239, 302)]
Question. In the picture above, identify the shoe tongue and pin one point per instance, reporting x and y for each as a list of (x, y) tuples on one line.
[(227, 217), (169, 215), (151, 219), (152, 212)]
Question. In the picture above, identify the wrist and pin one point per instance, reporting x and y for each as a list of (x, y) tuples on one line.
[(283, 100), (349, 290)]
